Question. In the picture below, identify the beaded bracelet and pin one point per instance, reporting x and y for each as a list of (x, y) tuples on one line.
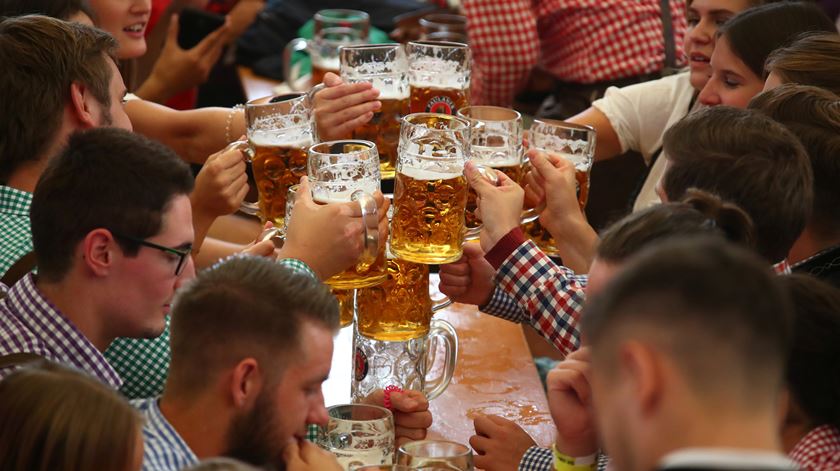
[(229, 121)]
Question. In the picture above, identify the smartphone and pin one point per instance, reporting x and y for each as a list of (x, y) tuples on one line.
[(194, 25)]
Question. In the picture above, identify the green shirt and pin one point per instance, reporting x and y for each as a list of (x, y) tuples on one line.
[(15, 233)]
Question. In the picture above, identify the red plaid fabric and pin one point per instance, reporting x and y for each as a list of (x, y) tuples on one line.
[(818, 450), (578, 41), (531, 288), (782, 268)]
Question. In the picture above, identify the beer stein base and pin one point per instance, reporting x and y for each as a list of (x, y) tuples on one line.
[(357, 283), (427, 258)]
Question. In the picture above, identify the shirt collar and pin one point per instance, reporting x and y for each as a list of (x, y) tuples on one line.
[(726, 458), (14, 201), (62, 338)]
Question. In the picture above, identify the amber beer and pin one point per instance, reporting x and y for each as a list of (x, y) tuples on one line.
[(276, 168), (400, 308), (320, 67), (384, 130), (345, 305), (428, 223), (427, 98), (514, 172)]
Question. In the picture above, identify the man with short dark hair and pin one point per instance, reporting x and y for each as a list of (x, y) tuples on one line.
[(251, 344), (112, 239), (747, 159), (688, 348), (813, 115)]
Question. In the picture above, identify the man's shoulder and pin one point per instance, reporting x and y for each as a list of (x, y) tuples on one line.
[(164, 449)]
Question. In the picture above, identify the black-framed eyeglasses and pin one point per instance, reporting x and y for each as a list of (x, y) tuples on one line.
[(181, 253)]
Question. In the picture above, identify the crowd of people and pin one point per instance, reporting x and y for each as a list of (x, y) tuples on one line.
[(700, 331)]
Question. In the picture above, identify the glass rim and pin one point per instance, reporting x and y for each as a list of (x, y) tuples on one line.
[(446, 19), (354, 47), (463, 450), (275, 99), (360, 16), (564, 124), (387, 413), (441, 44), (515, 115), (312, 151), (407, 120)]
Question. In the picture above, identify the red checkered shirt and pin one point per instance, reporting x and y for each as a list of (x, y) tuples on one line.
[(532, 289), (579, 41), (818, 450)]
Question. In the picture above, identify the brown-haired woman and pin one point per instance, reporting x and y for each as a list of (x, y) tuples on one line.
[(53, 418), (811, 60)]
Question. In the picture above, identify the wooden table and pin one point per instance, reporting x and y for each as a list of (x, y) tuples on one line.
[(494, 374)]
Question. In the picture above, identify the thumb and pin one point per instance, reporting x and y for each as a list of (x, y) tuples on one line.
[(304, 194), (473, 251), (332, 80), (539, 163), (477, 181)]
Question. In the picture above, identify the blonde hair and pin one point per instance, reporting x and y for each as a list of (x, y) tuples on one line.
[(53, 418)]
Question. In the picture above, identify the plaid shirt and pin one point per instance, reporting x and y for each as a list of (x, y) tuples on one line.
[(164, 449), (579, 41), (531, 288), (29, 323), (818, 450), (15, 235), (144, 363)]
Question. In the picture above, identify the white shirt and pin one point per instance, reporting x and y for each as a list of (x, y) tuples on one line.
[(726, 458), (640, 114)]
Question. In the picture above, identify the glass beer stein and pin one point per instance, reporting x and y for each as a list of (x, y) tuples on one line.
[(279, 134), (358, 435), (333, 29), (386, 67), (439, 76), (346, 305), (436, 454), (575, 143), (496, 142), (344, 171), (430, 192)]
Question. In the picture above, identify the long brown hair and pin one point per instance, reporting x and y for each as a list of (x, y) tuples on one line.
[(811, 60), (53, 418)]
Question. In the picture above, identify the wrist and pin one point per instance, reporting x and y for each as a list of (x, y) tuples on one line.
[(492, 235), (584, 448), (564, 462)]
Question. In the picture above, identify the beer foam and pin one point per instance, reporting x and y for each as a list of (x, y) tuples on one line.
[(429, 174), (291, 140), (327, 63), (442, 83), (494, 156), (395, 94)]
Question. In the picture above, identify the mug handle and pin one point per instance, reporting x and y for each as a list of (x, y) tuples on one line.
[(243, 146), (295, 45), (370, 222), (440, 329)]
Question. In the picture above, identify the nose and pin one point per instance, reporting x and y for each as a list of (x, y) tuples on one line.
[(318, 414), (141, 6), (709, 96), (187, 274), (701, 33)]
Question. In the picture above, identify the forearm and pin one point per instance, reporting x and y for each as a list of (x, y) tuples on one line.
[(213, 250), (153, 89), (193, 134), (576, 242)]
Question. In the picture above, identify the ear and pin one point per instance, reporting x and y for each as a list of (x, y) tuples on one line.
[(246, 383), (98, 251), (644, 370), (84, 108)]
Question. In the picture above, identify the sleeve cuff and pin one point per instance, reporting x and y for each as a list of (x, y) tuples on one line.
[(537, 459), (504, 247)]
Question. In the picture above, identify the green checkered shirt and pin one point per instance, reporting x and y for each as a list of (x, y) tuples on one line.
[(15, 233)]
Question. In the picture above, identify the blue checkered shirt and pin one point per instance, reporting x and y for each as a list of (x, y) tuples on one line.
[(164, 449)]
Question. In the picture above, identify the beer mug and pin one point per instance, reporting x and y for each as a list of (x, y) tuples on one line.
[(333, 29), (386, 67), (496, 142), (346, 305), (358, 435), (436, 454), (430, 192), (444, 27), (279, 133), (344, 171), (439, 76), (575, 143)]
